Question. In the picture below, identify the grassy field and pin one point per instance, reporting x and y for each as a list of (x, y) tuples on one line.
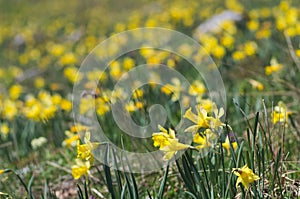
[(79, 114)]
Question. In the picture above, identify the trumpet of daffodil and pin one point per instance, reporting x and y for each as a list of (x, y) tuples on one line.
[(200, 120), (84, 151), (167, 142), (205, 139), (226, 145), (280, 113), (80, 168), (245, 176)]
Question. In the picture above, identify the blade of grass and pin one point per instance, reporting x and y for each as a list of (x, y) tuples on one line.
[(162, 184)]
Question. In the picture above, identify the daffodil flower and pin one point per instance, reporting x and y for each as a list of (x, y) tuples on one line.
[(245, 176), (84, 151), (80, 168), (280, 113), (226, 145), (204, 140), (200, 120), (167, 142), (215, 122)]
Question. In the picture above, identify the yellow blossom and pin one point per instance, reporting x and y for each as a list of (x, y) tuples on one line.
[(226, 145), (15, 91), (84, 151), (250, 48), (280, 113), (68, 59), (197, 88), (205, 139), (274, 67), (39, 82), (238, 55), (65, 105), (200, 120), (4, 129), (256, 84), (167, 142), (245, 176), (71, 139), (81, 168)]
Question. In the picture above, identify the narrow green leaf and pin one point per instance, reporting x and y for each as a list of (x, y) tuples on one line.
[(163, 183)]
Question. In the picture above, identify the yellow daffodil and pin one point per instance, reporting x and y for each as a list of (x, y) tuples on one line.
[(256, 84), (197, 88), (215, 122), (273, 67), (171, 149), (167, 142), (71, 139), (84, 151), (15, 91), (205, 139), (80, 168), (200, 120), (226, 145), (245, 176), (280, 113)]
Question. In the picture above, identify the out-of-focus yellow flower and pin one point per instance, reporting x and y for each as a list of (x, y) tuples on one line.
[(234, 5), (227, 41), (57, 49), (71, 139), (138, 93), (65, 105), (56, 99), (79, 128), (273, 67), (15, 91), (171, 149), (298, 52), (207, 105), (264, 32), (174, 88), (252, 25), (4, 129), (250, 48), (218, 52), (197, 88), (128, 63), (205, 139), (115, 70), (68, 59), (72, 74), (39, 82), (80, 168), (130, 107), (238, 55), (256, 84), (226, 145), (280, 113), (9, 110), (200, 120), (245, 176)]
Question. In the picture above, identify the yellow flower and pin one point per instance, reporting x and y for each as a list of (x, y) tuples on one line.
[(71, 139), (245, 176), (205, 139), (200, 120), (15, 91), (252, 25), (9, 109), (128, 63), (161, 139), (174, 88), (280, 113), (238, 55), (68, 59), (226, 145), (39, 82), (171, 149), (65, 105), (72, 74), (274, 67), (84, 151), (215, 122), (167, 142), (197, 88), (2, 171), (4, 129), (250, 48), (256, 84), (81, 168)]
